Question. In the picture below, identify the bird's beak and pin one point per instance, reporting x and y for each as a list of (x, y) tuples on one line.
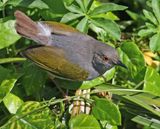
[(121, 64)]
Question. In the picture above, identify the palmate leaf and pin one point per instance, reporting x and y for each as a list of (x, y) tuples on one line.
[(156, 9), (109, 26), (150, 16), (70, 16), (83, 25), (107, 7)]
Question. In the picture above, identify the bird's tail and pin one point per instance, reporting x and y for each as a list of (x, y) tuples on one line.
[(26, 27)]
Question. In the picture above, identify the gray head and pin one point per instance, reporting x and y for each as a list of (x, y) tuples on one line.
[(105, 57)]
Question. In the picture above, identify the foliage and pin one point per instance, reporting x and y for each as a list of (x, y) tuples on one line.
[(29, 98)]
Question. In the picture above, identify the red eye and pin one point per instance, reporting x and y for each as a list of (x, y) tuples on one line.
[(105, 58)]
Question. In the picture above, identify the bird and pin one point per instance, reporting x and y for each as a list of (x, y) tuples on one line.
[(64, 51)]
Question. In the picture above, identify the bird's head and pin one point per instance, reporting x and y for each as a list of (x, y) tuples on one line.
[(105, 58)]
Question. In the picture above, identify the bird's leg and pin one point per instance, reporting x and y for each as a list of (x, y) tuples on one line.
[(60, 89)]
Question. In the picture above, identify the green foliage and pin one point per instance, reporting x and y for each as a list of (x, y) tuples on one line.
[(28, 96), (151, 29), (91, 14)]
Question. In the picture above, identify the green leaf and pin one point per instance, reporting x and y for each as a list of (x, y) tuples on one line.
[(68, 2), (6, 87), (81, 4), (150, 16), (156, 9), (108, 76), (87, 4), (146, 32), (84, 121), (152, 81), (4, 73), (109, 26), (106, 110), (107, 7), (83, 25), (12, 103), (49, 15), (29, 3), (33, 79), (69, 17), (74, 9), (31, 115), (133, 58), (8, 36), (144, 100), (151, 123), (154, 42)]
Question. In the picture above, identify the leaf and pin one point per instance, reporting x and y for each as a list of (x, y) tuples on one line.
[(4, 73), (109, 26), (146, 32), (69, 17), (74, 9), (144, 100), (151, 123), (150, 17), (49, 15), (29, 3), (33, 79), (85, 84), (152, 81), (6, 87), (31, 115), (8, 36), (133, 58), (81, 4), (156, 9), (108, 76), (106, 110), (83, 25), (68, 2), (87, 4), (154, 42), (12, 103), (107, 7), (84, 121)]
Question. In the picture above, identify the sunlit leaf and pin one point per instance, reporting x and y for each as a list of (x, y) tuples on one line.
[(31, 116), (154, 42), (107, 7), (69, 17), (84, 121), (83, 25), (6, 87), (152, 81), (8, 36), (12, 103), (104, 109)]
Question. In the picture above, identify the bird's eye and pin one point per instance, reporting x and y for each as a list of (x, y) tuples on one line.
[(105, 58)]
